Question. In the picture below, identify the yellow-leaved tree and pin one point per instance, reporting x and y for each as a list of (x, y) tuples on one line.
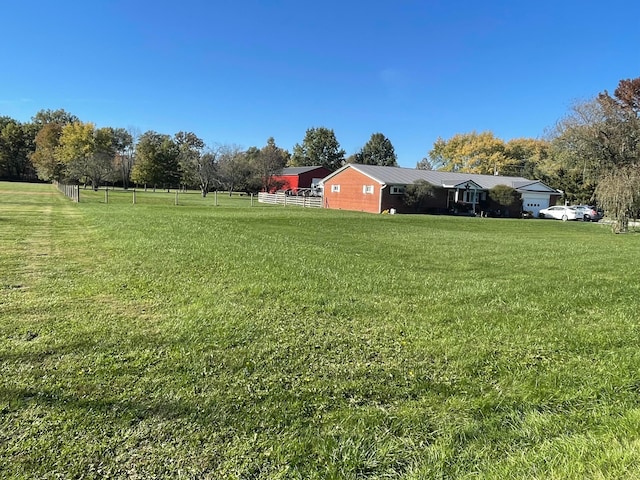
[(88, 153), (471, 153)]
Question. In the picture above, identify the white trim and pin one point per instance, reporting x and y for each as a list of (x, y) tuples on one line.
[(467, 183), (541, 188)]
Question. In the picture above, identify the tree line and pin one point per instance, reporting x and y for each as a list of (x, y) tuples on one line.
[(591, 155), (56, 145)]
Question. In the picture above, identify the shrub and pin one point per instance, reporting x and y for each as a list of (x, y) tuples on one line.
[(418, 194), (504, 195)]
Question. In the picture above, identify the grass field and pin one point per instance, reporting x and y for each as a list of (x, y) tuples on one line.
[(231, 341)]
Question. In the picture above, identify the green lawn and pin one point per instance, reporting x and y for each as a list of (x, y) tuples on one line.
[(231, 341)]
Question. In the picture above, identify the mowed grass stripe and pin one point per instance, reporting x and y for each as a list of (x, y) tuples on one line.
[(234, 342)]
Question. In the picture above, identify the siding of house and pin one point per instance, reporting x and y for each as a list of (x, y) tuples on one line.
[(351, 196), (436, 204), (394, 201)]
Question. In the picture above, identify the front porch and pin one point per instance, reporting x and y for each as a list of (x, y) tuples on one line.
[(467, 197)]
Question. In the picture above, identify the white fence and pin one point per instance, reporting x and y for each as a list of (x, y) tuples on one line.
[(71, 191), (281, 199)]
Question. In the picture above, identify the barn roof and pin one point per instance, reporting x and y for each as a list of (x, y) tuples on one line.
[(299, 170), (407, 176)]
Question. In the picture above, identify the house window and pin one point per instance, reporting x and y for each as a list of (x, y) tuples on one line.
[(367, 189), (396, 190), (335, 188)]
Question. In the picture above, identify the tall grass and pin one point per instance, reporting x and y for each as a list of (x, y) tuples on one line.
[(195, 341)]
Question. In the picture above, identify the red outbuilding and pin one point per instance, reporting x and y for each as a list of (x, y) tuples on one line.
[(296, 178)]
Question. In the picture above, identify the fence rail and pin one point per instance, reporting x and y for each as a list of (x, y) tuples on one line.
[(71, 191), (281, 198)]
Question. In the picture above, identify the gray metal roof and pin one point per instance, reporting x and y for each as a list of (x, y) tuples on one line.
[(407, 176), (298, 170)]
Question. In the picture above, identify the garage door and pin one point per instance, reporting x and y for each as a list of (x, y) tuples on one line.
[(533, 202)]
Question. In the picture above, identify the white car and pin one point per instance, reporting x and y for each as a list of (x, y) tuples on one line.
[(560, 212)]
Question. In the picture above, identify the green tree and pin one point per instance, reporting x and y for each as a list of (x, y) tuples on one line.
[(319, 148), (353, 158), (425, 164), (49, 124), (198, 165), (44, 158), (598, 135), (618, 193), (268, 162), (60, 116), (234, 168), (207, 171), (17, 142), (191, 149), (529, 158), (377, 151), (124, 146), (157, 161), (101, 166)]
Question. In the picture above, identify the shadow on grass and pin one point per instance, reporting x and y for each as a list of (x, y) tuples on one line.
[(42, 352), (15, 399)]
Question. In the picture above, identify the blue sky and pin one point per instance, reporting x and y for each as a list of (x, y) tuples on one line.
[(243, 71)]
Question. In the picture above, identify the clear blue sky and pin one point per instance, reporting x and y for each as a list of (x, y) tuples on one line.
[(244, 70)]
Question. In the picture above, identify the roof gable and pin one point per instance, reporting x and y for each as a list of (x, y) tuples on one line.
[(468, 184), (536, 186)]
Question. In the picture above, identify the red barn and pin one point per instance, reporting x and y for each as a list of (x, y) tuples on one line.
[(295, 178)]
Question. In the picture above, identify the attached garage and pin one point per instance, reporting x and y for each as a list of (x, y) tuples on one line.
[(536, 196), (534, 202)]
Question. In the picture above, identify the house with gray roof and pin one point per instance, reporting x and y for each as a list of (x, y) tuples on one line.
[(373, 188)]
